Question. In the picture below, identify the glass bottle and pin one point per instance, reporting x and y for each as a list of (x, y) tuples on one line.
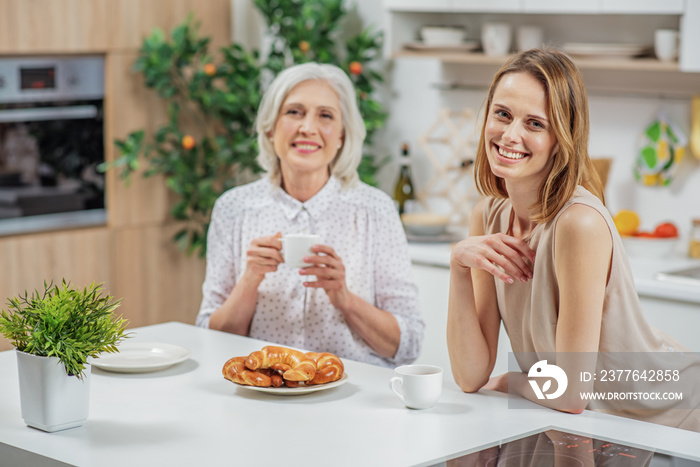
[(403, 190), (694, 249)]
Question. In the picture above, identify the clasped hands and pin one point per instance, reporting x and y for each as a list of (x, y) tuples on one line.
[(265, 254), (503, 256)]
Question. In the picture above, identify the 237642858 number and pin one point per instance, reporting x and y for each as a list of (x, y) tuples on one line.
[(639, 375)]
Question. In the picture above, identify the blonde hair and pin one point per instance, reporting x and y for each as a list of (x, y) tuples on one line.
[(567, 109), (344, 165)]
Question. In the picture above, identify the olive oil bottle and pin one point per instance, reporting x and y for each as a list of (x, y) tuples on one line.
[(404, 194)]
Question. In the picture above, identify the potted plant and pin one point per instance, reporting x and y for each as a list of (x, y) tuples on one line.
[(54, 332)]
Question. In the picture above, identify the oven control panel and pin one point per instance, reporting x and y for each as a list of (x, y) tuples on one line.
[(38, 79)]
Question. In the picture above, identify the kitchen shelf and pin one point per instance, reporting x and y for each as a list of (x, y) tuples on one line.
[(476, 58)]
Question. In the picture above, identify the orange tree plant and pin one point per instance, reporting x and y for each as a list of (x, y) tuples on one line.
[(208, 144)]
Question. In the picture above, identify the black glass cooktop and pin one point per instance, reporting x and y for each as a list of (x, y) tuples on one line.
[(551, 447)]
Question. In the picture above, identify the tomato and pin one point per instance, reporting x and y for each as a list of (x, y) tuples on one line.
[(666, 230)]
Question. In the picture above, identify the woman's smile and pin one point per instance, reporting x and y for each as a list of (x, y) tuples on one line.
[(306, 147), (510, 154)]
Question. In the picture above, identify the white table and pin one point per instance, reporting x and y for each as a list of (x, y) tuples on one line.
[(190, 415)]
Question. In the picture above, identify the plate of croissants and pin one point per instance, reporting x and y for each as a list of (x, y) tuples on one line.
[(285, 371)]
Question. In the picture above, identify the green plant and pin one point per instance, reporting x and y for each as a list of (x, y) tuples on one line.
[(64, 322), (209, 144)]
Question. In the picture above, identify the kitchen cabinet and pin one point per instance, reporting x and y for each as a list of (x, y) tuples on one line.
[(601, 21), (133, 254), (543, 6), (679, 319), (433, 287), (555, 6), (604, 6)]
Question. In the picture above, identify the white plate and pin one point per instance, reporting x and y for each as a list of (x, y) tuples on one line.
[(466, 46), (141, 357), (605, 50), (285, 391)]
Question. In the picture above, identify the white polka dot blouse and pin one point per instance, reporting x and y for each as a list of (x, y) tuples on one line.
[(360, 223)]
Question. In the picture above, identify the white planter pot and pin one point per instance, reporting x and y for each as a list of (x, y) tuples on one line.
[(50, 399)]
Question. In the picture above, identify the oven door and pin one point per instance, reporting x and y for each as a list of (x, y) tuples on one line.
[(49, 153)]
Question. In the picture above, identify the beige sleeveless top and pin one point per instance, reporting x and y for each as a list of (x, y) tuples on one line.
[(529, 310)]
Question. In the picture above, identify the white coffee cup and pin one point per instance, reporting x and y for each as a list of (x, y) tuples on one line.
[(666, 44), (528, 37), (418, 386), (496, 39), (296, 246)]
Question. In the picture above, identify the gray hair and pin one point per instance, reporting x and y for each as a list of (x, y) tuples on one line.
[(344, 165)]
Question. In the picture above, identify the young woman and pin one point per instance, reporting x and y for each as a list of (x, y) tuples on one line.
[(543, 254), (357, 299)]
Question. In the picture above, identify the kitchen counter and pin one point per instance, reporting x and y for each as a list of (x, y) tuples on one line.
[(644, 270), (190, 415)]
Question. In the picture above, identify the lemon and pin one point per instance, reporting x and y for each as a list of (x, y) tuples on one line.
[(627, 222)]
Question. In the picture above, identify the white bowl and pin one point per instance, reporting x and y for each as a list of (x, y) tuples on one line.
[(442, 35), (425, 224), (649, 247)]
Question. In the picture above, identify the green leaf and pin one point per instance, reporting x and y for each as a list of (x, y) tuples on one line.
[(65, 322)]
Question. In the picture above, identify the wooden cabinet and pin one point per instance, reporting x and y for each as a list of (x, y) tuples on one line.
[(133, 254)]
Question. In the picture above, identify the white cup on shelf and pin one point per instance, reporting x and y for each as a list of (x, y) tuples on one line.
[(496, 39), (666, 44)]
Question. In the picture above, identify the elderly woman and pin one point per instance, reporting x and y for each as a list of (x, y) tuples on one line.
[(362, 304)]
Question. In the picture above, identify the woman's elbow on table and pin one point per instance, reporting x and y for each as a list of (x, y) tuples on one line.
[(468, 384)]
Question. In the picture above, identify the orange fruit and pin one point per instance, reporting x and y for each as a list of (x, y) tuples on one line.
[(304, 46), (627, 222), (187, 142), (666, 230), (210, 69), (355, 68)]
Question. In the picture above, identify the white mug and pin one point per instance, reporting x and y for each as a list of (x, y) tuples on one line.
[(528, 37), (666, 44), (496, 39), (418, 386), (296, 246)]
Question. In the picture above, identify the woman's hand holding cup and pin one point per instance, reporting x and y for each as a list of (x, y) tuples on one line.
[(263, 256), (330, 275)]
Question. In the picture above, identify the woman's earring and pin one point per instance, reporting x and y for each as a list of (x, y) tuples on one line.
[(340, 145)]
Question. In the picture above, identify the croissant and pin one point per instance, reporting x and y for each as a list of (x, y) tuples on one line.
[(296, 366), (236, 371), (329, 368)]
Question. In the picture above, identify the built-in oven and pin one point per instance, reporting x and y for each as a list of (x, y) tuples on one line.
[(51, 142)]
